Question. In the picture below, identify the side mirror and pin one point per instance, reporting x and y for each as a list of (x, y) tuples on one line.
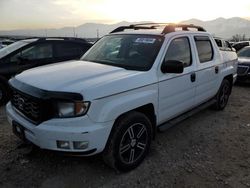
[(172, 66)]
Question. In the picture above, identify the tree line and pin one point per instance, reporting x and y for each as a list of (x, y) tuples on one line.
[(239, 37)]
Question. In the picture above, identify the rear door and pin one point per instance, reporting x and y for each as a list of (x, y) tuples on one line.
[(207, 74), (68, 50), (177, 91)]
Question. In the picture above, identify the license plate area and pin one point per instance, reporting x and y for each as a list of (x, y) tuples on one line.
[(18, 130)]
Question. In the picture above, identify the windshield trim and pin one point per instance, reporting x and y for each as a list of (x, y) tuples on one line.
[(126, 67)]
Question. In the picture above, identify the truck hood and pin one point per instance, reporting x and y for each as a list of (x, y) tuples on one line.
[(92, 80)]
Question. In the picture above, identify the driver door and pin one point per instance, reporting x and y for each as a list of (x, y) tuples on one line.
[(177, 91), (32, 56)]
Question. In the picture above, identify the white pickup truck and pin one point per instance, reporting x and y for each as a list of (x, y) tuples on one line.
[(132, 82)]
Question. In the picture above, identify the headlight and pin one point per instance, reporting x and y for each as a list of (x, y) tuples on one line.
[(72, 109)]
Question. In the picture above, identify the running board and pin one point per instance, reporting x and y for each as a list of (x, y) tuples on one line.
[(184, 116)]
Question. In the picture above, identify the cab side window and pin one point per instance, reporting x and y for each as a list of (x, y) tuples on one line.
[(204, 48), (179, 50), (36, 52)]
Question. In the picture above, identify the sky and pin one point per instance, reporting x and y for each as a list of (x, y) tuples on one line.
[(39, 14)]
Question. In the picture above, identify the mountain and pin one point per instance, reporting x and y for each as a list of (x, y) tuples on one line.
[(224, 28), (220, 27), (87, 30)]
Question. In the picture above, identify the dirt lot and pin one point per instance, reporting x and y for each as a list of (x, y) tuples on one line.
[(211, 149)]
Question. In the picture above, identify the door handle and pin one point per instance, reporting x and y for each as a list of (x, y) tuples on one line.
[(193, 77), (216, 69)]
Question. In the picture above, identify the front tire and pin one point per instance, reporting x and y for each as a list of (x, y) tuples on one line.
[(223, 95), (129, 142), (3, 94)]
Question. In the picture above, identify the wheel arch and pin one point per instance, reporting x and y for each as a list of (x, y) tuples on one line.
[(147, 109), (230, 79)]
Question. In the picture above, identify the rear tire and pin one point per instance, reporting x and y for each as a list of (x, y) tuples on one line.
[(223, 95), (129, 142)]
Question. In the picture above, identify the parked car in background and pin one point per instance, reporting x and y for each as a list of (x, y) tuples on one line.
[(225, 49), (223, 44), (5, 42), (29, 53), (231, 43), (244, 65), (239, 45), (135, 80)]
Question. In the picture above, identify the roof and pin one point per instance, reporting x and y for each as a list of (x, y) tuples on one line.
[(157, 28), (63, 38), (29, 40), (242, 42)]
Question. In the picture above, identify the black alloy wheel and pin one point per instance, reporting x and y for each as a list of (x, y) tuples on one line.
[(129, 141), (133, 143), (223, 95)]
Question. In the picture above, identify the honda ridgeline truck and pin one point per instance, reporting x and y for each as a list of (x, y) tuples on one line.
[(132, 82)]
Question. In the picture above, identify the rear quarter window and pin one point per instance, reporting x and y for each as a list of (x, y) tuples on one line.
[(218, 42), (204, 48)]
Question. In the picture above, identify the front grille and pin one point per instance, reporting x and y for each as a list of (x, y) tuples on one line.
[(37, 105), (242, 70), (29, 106)]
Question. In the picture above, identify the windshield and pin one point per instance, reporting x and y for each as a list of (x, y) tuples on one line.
[(11, 48), (133, 52), (245, 52)]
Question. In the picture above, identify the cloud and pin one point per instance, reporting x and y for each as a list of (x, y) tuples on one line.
[(58, 13), (32, 14)]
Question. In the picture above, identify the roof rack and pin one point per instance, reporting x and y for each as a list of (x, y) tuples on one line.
[(169, 27), (61, 38)]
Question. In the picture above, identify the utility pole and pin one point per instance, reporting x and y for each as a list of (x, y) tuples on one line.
[(97, 33), (74, 31)]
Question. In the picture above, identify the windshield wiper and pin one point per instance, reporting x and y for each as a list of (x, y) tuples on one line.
[(107, 62), (126, 67)]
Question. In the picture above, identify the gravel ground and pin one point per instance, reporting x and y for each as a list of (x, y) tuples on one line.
[(210, 149)]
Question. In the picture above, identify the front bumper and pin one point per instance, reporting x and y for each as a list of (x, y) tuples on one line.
[(234, 78), (243, 78), (243, 73), (46, 134)]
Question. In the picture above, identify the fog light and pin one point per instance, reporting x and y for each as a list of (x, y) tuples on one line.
[(80, 144), (63, 144)]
